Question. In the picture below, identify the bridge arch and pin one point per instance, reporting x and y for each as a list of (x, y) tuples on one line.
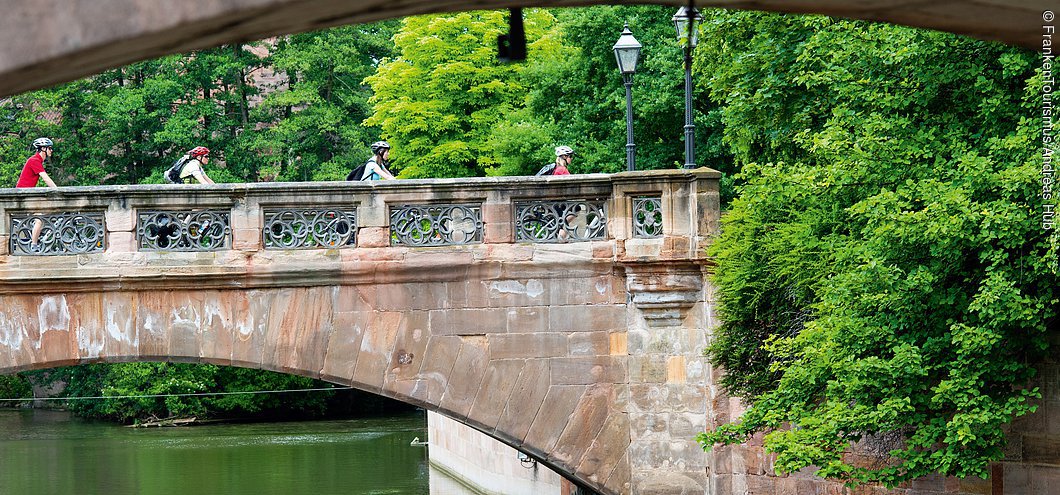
[(562, 316), (76, 38)]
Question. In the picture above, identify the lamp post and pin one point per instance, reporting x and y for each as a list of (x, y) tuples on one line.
[(686, 21), (627, 51)]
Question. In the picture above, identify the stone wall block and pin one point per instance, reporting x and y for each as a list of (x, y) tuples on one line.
[(580, 291), (152, 324), (299, 327), (552, 418), (587, 318), (527, 345), (469, 321), (409, 296), (648, 369), (120, 242), (466, 376), (344, 345), (688, 398), (438, 362), (509, 293), (58, 326), (587, 370), (410, 345), (608, 450), (584, 424), (497, 384), (649, 397), (217, 332), (620, 480), (373, 237), (648, 427), (589, 344), (534, 320), (377, 347), (618, 343), (246, 240), (251, 322), (185, 323), (525, 401), (116, 336), (118, 219)]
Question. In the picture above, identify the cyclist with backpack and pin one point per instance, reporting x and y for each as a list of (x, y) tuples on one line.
[(564, 155), (190, 167), (375, 167)]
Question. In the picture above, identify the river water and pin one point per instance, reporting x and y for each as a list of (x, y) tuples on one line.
[(54, 453)]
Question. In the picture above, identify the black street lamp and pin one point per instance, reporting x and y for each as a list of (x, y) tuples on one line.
[(687, 20), (627, 51)]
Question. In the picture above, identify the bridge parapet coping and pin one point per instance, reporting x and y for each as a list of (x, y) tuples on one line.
[(686, 229)]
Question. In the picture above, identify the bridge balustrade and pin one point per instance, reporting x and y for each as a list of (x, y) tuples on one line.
[(632, 214)]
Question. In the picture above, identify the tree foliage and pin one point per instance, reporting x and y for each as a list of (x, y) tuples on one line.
[(883, 271)]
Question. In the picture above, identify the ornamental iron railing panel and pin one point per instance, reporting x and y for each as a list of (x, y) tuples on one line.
[(647, 217), (307, 228), (572, 220), (202, 230), (59, 234), (435, 225)]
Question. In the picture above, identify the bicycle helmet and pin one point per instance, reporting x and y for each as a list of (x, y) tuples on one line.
[(379, 145), (199, 151), (42, 143), (564, 150)]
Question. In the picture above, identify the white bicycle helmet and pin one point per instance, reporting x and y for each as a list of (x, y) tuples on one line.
[(42, 143), (564, 150)]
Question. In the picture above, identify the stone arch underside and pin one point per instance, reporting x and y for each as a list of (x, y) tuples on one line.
[(525, 361), (76, 38)]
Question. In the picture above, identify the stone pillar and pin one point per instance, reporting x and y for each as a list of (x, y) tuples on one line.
[(667, 318)]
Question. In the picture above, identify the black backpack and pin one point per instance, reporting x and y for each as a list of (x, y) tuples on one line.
[(172, 175), (357, 173)]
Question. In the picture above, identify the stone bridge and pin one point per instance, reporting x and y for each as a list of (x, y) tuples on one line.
[(564, 316)]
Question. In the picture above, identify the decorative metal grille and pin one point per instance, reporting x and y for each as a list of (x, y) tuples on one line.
[(60, 233), (435, 225), (647, 217), (309, 228), (206, 230), (572, 220)]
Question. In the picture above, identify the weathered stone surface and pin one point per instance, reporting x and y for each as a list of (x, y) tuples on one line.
[(532, 320), (608, 449), (584, 424), (410, 346), (588, 370), (587, 318), (438, 362), (469, 321), (464, 381), (493, 394), (589, 344), (525, 401), (527, 345), (377, 345), (552, 418)]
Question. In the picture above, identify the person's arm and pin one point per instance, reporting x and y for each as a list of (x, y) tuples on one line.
[(201, 176), (48, 180), (374, 166)]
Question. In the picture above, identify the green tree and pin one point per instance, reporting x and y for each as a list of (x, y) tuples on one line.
[(316, 131), (442, 96), (883, 273)]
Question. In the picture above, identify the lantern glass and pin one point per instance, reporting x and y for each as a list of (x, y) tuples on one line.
[(627, 52)]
